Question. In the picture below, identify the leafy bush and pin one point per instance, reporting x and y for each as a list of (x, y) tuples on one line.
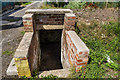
[(75, 5), (113, 65)]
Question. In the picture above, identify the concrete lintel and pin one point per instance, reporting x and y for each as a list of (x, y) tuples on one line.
[(27, 16), (49, 27), (80, 45), (48, 11), (23, 47)]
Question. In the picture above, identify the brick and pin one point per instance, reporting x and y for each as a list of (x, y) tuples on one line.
[(80, 53), (85, 59), (28, 25), (81, 63), (78, 60), (86, 52), (71, 17)]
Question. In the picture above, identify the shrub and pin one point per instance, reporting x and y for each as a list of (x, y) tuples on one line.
[(75, 5)]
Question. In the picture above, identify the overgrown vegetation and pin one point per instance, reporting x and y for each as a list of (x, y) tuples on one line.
[(102, 40), (75, 5), (79, 5)]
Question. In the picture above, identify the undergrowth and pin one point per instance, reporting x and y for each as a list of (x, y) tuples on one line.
[(102, 40)]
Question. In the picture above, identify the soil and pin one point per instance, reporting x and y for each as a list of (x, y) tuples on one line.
[(101, 15)]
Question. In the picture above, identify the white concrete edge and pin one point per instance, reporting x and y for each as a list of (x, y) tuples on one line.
[(12, 70), (47, 11), (18, 52), (80, 45)]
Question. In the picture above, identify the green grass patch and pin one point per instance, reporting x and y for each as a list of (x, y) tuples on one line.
[(22, 32), (27, 3), (7, 52)]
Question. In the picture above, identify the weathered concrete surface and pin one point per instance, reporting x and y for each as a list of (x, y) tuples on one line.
[(22, 50), (22, 67), (20, 57), (49, 27), (80, 45), (12, 70), (60, 73), (49, 11)]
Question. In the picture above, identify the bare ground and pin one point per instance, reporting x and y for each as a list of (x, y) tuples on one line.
[(11, 39)]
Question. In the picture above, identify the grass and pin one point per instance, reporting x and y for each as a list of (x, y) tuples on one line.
[(12, 20), (22, 32), (101, 40), (25, 4), (7, 52)]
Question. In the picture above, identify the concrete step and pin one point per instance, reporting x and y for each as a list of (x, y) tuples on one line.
[(60, 73)]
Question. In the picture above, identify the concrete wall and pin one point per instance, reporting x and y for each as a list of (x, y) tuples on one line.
[(74, 52), (77, 52), (34, 53), (36, 18)]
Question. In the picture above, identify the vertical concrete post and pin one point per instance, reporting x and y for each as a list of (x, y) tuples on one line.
[(28, 22), (69, 21)]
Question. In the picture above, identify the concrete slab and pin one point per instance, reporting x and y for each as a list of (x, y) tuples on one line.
[(48, 11), (49, 27), (60, 73), (12, 70), (80, 45), (23, 47)]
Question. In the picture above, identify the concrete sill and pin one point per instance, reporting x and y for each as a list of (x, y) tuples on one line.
[(49, 27)]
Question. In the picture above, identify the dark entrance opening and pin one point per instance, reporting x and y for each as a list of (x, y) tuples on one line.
[(50, 44)]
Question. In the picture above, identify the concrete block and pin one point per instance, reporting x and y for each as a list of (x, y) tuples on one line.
[(22, 50), (48, 11), (70, 15), (12, 70), (27, 16), (79, 44)]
